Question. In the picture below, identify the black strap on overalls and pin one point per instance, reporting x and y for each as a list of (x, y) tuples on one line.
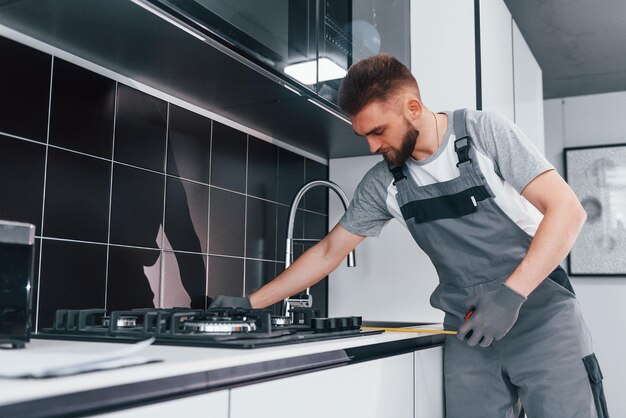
[(447, 206)]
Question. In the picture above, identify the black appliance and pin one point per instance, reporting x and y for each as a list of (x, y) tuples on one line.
[(16, 276), (215, 327)]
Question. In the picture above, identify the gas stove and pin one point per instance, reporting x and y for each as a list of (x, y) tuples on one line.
[(215, 327)]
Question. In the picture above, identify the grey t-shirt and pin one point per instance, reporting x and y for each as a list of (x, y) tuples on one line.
[(507, 159)]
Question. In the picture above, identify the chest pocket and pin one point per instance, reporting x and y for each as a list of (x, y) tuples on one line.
[(447, 206)]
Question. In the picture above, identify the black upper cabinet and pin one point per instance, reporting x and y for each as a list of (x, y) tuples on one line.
[(140, 129), (262, 169), (24, 90), (83, 103), (228, 169), (189, 145), (21, 180)]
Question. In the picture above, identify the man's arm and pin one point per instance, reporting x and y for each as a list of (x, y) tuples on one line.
[(563, 218), (308, 269)]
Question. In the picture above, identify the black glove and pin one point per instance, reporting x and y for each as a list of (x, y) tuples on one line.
[(494, 314), (231, 302)]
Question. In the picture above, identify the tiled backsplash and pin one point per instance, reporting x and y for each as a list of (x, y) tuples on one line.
[(139, 202)]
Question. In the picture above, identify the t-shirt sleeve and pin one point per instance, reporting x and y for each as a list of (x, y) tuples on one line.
[(367, 213), (516, 159)]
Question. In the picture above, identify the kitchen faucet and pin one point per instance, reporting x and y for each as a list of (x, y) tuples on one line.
[(305, 299)]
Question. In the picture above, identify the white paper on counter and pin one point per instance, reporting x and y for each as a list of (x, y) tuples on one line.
[(38, 364)]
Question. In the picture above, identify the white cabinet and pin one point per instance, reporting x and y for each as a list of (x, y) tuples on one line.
[(443, 53), (429, 393), (496, 55), (528, 90), (208, 405), (372, 389)]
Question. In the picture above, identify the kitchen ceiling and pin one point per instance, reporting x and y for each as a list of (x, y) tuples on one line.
[(579, 44)]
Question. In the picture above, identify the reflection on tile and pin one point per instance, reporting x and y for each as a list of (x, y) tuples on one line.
[(77, 197), (72, 277), (25, 87), (83, 103), (186, 215), (140, 129), (22, 166), (262, 169), (261, 229), (184, 280), (317, 198), (226, 226), (189, 145), (281, 230), (133, 278), (290, 175), (35, 284), (225, 276), (228, 167), (136, 206)]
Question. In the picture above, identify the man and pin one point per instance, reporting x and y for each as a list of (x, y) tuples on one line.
[(495, 219)]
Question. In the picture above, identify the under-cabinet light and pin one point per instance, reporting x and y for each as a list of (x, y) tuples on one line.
[(305, 71)]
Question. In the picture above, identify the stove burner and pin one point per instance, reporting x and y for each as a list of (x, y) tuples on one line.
[(127, 321), (221, 326), (281, 320)]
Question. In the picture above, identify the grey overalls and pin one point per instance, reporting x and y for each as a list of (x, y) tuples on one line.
[(546, 360)]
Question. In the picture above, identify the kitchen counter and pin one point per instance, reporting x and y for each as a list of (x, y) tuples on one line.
[(186, 370)]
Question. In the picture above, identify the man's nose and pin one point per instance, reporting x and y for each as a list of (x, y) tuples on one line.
[(373, 144)]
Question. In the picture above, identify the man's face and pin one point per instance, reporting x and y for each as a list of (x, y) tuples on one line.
[(387, 132)]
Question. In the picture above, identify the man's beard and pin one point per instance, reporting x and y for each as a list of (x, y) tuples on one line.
[(397, 157)]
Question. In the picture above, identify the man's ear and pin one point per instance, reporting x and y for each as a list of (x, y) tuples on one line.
[(414, 108)]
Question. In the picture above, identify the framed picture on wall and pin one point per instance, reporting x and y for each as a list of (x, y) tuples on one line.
[(598, 177)]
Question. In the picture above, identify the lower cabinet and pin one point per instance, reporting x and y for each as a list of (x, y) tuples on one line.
[(373, 389), (429, 394), (208, 405)]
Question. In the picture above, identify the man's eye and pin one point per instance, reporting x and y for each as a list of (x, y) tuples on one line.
[(378, 133)]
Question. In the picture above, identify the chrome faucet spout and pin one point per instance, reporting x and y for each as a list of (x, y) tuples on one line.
[(292, 219)]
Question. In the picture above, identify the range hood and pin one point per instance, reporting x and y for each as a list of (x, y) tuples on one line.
[(127, 38)]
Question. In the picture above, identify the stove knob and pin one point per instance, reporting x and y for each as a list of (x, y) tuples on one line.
[(355, 322), (319, 324), (333, 324), (344, 323)]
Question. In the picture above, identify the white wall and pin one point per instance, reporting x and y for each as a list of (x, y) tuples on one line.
[(585, 121)]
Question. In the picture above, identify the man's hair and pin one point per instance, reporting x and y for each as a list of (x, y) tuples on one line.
[(376, 78)]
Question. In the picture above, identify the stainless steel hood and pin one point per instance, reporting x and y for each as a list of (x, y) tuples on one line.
[(129, 40)]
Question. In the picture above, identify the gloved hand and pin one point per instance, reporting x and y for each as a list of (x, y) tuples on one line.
[(494, 314), (222, 301)]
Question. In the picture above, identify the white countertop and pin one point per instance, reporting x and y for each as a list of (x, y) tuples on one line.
[(177, 361)]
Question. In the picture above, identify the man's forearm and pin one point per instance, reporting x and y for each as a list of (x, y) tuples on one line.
[(308, 269), (553, 240)]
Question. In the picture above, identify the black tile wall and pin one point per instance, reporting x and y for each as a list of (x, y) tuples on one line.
[(82, 110), (229, 150), (227, 223), (189, 145), (70, 282), (146, 203), (317, 198), (77, 198), (134, 278), (136, 207), (261, 229), (140, 129), (22, 168), (225, 276), (186, 215), (262, 169), (24, 90)]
